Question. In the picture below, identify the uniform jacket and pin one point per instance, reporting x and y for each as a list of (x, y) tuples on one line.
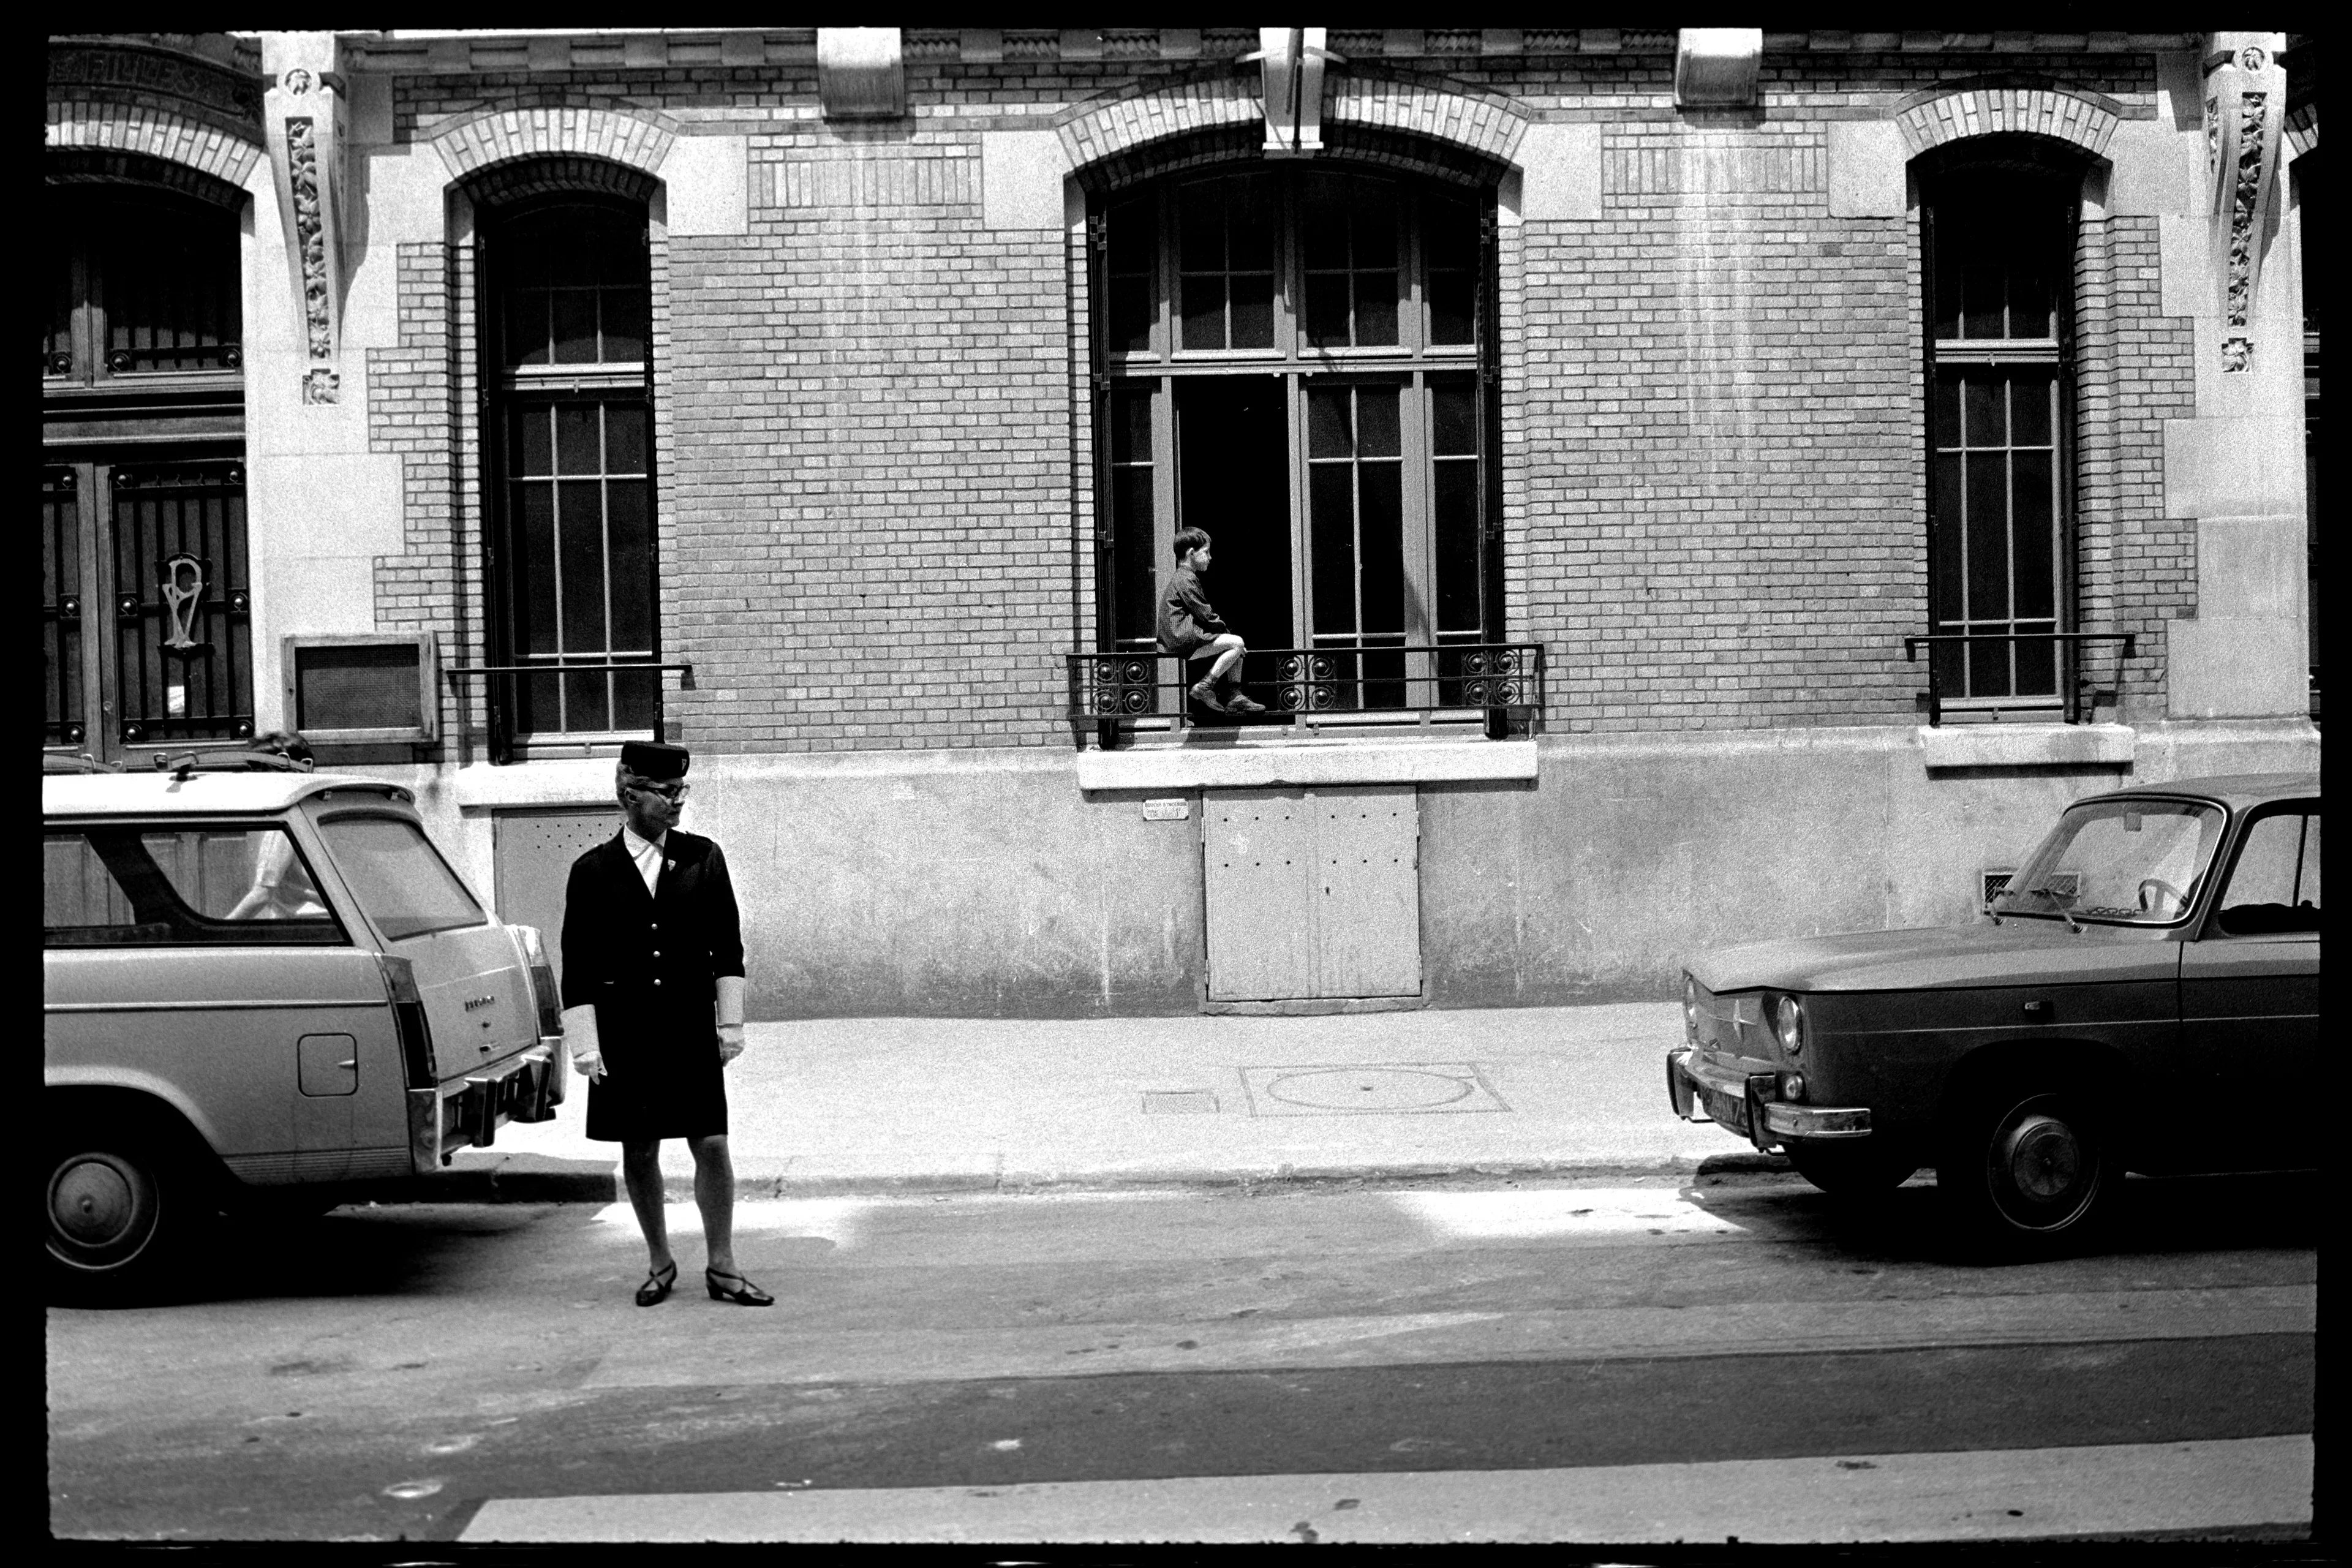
[(1186, 621), (649, 962)]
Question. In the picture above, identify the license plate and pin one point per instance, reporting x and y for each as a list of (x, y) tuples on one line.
[(1732, 1113)]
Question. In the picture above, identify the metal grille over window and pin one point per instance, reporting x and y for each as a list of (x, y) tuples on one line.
[(571, 297)]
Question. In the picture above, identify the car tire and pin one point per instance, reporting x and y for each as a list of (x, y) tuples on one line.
[(2026, 1170), (123, 1210), (1850, 1168)]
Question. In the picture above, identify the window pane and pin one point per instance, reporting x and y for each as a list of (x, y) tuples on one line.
[(580, 574), (1132, 231), (1131, 313), (1204, 310), (624, 438), (1328, 433), (528, 335), (1988, 536), (1452, 302), (1981, 300), (2279, 864), (1130, 427), (1252, 304), (1326, 310), (125, 886), (1200, 227), (2030, 401), (399, 877), (629, 530), (1984, 424), (1374, 227), (2028, 302), (1324, 221), (1376, 422), (2031, 525), (1131, 503), (577, 443), (1456, 542), (1945, 411), (1332, 498), (636, 700), (626, 324), (533, 451), (1454, 410), (575, 326), (1250, 222), (534, 506), (1449, 234), (1376, 308), (1382, 532)]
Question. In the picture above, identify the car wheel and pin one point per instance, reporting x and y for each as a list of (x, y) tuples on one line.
[(119, 1214), (2026, 1170), (1850, 1168)]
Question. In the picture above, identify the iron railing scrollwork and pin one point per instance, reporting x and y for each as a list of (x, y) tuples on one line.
[(1503, 683)]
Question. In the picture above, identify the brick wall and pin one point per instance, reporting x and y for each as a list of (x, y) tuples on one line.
[(875, 515)]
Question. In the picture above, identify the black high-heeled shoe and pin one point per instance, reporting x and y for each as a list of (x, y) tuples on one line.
[(745, 1294), (657, 1290)]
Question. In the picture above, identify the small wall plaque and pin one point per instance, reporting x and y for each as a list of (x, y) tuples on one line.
[(1177, 810)]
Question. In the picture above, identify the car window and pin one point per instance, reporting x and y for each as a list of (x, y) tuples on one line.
[(398, 877), (2274, 887), (2131, 861), (201, 886)]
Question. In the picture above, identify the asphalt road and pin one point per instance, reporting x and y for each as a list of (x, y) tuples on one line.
[(1740, 1357)]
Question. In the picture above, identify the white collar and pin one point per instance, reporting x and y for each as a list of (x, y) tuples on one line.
[(637, 846)]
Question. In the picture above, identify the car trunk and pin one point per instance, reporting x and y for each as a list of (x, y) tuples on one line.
[(477, 995)]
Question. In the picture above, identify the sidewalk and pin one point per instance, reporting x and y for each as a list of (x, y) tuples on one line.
[(856, 1105)]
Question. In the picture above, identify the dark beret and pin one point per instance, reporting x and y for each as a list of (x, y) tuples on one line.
[(654, 759)]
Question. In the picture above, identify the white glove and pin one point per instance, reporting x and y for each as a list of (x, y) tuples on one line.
[(730, 1007), (581, 1040)]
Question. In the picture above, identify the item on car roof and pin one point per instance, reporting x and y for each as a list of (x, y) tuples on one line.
[(227, 761), (75, 762)]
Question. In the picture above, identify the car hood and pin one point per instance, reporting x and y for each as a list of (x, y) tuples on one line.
[(2017, 951)]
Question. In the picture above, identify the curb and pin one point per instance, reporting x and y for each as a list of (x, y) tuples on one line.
[(537, 1179)]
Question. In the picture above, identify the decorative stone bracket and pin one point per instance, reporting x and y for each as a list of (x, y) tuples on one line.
[(1718, 68), (1290, 63), (860, 73), (2245, 111), (305, 116)]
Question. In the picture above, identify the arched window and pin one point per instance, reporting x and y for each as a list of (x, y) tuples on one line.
[(569, 296), (1999, 238), (1291, 360), (146, 622)]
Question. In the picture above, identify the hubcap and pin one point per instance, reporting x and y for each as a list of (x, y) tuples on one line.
[(2045, 1159), (100, 1209)]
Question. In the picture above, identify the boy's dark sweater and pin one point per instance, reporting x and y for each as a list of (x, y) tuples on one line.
[(1185, 617)]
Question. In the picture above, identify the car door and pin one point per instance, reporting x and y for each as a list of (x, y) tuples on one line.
[(2250, 983)]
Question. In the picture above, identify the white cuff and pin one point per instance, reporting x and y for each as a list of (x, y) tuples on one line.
[(579, 1030), (731, 1000)]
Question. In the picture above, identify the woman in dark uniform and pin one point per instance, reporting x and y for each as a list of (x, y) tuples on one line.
[(653, 962)]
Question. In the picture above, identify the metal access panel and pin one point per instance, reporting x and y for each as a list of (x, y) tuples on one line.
[(1312, 893), (532, 854)]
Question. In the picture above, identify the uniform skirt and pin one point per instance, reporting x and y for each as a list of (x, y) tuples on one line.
[(658, 1084)]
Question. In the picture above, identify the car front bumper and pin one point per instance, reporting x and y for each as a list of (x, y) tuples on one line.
[(1749, 1104)]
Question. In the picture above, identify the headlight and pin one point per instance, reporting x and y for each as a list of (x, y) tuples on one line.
[(1789, 1020), (1690, 1009)]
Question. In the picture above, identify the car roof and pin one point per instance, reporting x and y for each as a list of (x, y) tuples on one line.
[(149, 794), (2235, 790)]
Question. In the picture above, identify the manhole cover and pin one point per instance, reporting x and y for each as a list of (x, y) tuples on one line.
[(1362, 1091)]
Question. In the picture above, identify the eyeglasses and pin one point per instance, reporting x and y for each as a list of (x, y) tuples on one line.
[(668, 792)]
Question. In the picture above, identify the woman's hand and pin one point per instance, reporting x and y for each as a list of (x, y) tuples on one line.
[(731, 1042)]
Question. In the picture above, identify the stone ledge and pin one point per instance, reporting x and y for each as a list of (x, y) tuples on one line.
[(2026, 745), (1328, 762)]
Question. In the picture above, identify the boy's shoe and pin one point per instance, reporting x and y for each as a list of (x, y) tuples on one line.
[(1237, 703), (1205, 696)]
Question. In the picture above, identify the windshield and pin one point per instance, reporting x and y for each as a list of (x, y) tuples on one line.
[(401, 880), (2133, 861)]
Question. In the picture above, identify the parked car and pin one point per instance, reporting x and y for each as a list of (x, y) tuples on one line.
[(2131, 1000), (261, 981)]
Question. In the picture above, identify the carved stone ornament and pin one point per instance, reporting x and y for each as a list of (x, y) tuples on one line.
[(304, 117), (1290, 62), (2244, 102)]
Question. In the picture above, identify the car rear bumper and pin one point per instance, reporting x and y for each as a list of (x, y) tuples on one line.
[(467, 1111), (1749, 1104)]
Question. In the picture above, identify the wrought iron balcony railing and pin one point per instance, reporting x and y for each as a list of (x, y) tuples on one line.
[(2073, 695), (1500, 684)]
